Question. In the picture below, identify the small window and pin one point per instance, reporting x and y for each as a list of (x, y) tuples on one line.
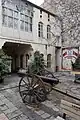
[(15, 14), (48, 17), (40, 29), (10, 22), (15, 23), (22, 16), (26, 18), (48, 32), (31, 27), (10, 12), (4, 10), (26, 26), (49, 60), (22, 25), (4, 20), (40, 13)]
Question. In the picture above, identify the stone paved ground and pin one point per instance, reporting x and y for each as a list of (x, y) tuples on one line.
[(12, 107)]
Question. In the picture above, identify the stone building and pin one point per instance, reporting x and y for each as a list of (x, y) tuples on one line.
[(69, 13), (25, 28)]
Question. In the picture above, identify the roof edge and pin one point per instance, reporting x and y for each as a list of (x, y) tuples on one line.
[(38, 7)]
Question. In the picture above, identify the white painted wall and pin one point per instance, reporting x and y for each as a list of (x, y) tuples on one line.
[(32, 37)]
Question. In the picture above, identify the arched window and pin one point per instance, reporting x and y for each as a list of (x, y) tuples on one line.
[(40, 29), (48, 32), (49, 60)]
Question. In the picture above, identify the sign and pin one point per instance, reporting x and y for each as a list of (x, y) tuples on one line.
[(69, 54)]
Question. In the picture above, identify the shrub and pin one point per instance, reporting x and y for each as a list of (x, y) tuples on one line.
[(37, 64), (3, 64), (76, 65)]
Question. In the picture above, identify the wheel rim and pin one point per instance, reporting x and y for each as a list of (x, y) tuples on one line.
[(32, 89)]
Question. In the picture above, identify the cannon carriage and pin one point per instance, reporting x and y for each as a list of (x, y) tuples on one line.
[(36, 84)]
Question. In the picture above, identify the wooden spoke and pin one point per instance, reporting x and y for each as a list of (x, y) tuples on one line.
[(32, 81), (28, 78), (33, 90), (38, 95), (25, 82), (30, 99)]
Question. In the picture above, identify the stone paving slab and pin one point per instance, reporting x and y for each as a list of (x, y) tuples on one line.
[(3, 117), (58, 118), (12, 107)]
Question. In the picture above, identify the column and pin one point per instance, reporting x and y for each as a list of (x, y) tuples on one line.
[(18, 61), (53, 66), (24, 61), (45, 54), (13, 64)]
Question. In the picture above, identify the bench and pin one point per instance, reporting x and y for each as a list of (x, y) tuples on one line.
[(70, 109)]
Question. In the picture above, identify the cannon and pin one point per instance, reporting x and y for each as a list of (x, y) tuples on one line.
[(37, 82), (34, 88)]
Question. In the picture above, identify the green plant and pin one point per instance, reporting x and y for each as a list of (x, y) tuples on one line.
[(76, 65), (37, 63), (3, 65)]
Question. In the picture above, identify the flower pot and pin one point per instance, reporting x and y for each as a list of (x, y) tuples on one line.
[(77, 76)]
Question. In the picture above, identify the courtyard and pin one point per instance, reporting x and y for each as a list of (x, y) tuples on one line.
[(12, 107)]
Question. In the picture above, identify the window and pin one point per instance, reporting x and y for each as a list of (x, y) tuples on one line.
[(15, 14), (26, 22), (40, 13), (10, 12), (4, 10), (49, 60), (10, 22), (40, 29), (26, 26), (48, 17), (4, 20), (15, 23), (17, 19), (9, 18), (22, 25), (48, 32)]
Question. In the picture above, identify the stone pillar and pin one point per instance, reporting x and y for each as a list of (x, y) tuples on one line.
[(13, 64), (45, 54), (53, 66), (24, 61), (18, 61)]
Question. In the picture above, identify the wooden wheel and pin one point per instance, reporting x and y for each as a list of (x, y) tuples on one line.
[(32, 89), (48, 87)]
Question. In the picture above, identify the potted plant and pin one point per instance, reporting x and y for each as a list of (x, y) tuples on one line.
[(3, 66), (76, 69)]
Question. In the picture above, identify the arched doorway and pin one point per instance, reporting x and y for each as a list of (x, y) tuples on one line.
[(49, 60), (18, 53)]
